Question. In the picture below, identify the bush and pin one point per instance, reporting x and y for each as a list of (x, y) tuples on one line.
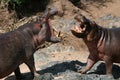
[(15, 1), (26, 7)]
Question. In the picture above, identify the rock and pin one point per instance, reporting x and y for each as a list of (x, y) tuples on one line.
[(109, 20), (41, 56), (46, 76), (107, 17), (64, 25), (67, 71)]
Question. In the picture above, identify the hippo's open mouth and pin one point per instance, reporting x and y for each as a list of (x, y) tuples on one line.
[(76, 29)]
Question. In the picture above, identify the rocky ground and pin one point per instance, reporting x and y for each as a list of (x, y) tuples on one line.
[(60, 61)]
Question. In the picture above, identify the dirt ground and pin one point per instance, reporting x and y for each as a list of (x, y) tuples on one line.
[(95, 11)]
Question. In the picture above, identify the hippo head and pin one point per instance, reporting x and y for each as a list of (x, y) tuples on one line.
[(46, 32), (86, 28), (49, 12)]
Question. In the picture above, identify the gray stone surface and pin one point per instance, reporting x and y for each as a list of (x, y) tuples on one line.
[(110, 20), (67, 71)]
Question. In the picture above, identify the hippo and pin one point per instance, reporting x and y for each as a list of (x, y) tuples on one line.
[(103, 43), (18, 46)]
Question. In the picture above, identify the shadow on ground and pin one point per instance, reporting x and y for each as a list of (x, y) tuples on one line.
[(69, 67), (82, 3), (101, 70)]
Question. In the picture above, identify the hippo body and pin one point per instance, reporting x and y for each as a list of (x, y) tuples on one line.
[(109, 44), (12, 51), (103, 43), (18, 46)]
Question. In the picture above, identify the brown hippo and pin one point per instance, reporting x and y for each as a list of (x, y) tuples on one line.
[(18, 46), (103, 43)]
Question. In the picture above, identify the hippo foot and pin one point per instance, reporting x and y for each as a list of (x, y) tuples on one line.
[(82, 71), (55, 39), (110, 76), (37, 75)]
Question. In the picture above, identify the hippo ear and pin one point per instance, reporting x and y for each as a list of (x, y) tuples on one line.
[(93, 24), (93, 33), (84, 19)]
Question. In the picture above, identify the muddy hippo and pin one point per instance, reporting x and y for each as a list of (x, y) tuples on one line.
[(18, 46), (103, 43)]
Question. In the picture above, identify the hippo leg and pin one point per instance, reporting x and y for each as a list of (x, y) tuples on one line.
[(30, 63), (108, 64), (90, 63), (18, 74)]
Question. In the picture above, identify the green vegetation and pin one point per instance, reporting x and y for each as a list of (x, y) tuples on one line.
[(25, 7), (14, 4), (18, 2)]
